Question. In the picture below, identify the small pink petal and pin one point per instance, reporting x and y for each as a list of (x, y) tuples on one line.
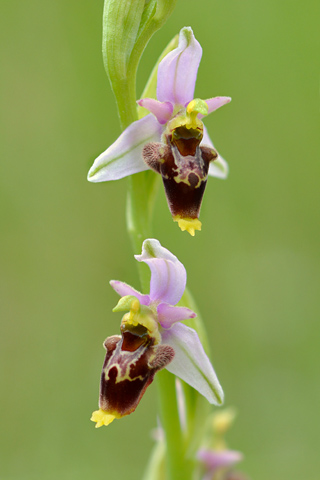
[(215, 459), (124, 289), (215, 103), (161, 110), (168, 315)]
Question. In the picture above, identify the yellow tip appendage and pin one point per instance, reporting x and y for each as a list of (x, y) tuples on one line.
[(188, 224), (102, 417)]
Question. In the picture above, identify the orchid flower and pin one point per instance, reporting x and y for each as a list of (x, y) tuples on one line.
[(152, 338), (218, 463), (172, 139), (216, 459)]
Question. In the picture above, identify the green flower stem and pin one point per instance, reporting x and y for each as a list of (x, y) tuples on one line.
[(178, 467), (197, 411), (142, 191)]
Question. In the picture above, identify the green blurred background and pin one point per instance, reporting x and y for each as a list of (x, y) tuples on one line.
[(253, 269)]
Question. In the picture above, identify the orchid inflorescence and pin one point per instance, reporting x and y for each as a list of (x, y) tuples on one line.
[(161, 330)]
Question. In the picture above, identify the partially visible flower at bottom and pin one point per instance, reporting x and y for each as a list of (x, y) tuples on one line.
[(152, 338), (218, 463), (215, 458)]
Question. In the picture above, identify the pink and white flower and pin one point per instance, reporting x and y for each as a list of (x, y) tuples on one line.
[(153, 337), (171, 139)]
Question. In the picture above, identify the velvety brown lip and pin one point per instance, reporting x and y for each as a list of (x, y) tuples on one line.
[(130, 365), (183, 165)]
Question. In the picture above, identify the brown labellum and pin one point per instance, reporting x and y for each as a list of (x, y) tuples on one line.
[(184, 167), (130, 364)]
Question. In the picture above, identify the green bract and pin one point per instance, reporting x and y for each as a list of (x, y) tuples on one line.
[(127, 28)]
